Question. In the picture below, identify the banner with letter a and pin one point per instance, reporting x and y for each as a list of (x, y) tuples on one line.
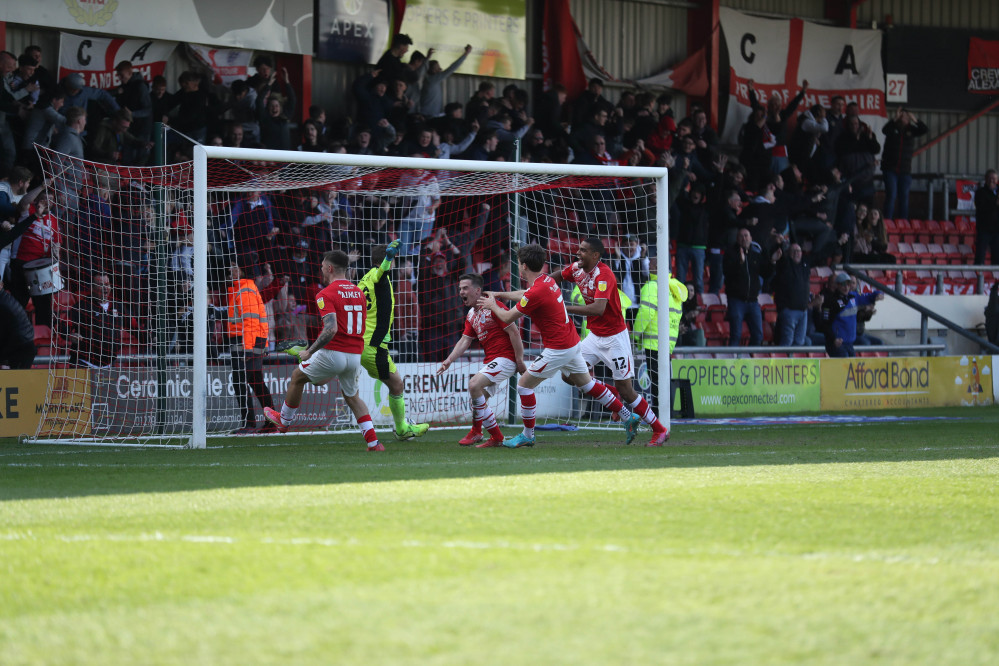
[(96, 57), (779, 54)]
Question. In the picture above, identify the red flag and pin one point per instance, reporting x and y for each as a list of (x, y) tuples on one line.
[(398, 13), (560, 52), (983, 66), (689, 76)]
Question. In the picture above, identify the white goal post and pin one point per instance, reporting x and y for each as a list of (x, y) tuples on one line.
[(524, 201)]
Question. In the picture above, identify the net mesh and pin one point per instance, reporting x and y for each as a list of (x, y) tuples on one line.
[(121, 368)]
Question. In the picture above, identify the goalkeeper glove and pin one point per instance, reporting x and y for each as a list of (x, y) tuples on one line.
[(392, 249)]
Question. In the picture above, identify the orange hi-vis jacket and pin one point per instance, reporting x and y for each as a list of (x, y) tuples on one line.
[(247, 316)]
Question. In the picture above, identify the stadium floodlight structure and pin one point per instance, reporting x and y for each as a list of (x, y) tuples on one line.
[(167, 237)]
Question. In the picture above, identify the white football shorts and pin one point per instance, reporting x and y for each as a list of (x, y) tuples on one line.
[(496, 371), (326, 364), (613, 351), (555, 361)]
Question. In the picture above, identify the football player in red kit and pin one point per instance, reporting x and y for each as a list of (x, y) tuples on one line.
[(504, 355), (337, 350), (608, 341), (543, 303)]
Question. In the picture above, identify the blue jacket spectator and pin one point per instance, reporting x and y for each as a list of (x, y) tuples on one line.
[(78, 94), (839, 315)]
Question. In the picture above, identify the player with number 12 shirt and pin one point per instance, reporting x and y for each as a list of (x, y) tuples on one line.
[(608, 341), (544, 304)]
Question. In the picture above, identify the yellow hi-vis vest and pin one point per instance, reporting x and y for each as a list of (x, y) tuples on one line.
[(576, 298), (646, 329)]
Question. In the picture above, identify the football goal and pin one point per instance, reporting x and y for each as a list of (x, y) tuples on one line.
[(144, 349)]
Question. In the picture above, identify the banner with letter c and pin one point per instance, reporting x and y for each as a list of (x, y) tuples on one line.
[(779, 54), (96, 57)]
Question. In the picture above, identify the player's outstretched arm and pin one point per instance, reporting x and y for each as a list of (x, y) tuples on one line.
[(509, 295), (488, 301), (390, 254), (460, 348)]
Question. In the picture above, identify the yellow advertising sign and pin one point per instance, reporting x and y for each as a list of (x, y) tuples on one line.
[(23, 405), (882, 383), (496, 30)]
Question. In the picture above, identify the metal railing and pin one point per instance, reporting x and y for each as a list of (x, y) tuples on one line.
[(939, 269), (926, 313), (934, 349)]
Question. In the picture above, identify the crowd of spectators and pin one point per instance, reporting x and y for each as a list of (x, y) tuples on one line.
[(798, 191)]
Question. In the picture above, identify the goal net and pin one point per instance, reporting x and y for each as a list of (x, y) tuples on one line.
[(157, 261)]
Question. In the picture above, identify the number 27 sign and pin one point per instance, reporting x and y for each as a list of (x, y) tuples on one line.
[(897, 88)]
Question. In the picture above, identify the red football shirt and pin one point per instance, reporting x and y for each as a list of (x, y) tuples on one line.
[(599, 283), (347, 301), (490, 331), (37, 241), (544, 304)]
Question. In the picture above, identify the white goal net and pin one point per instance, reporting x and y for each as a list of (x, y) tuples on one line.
[(142, 347)]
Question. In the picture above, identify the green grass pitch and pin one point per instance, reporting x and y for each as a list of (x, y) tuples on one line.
[(864, 544)]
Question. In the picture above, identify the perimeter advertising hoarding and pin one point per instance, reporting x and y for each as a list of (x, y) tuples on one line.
[(883, 383), (126, 398), (23, 406), (496, 30), (752, 386), (431, 398)]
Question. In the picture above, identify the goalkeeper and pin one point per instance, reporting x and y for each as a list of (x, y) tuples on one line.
[(375, 359)]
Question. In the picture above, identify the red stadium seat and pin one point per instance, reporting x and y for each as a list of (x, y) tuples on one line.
[(905, 231), (905, 253), (922, 253), (949, 230), (937, 252), (967, 254), (952, 254), (936, 232), (717, 312), (966, 231), (43, 335), (768, 330), (714, 335)]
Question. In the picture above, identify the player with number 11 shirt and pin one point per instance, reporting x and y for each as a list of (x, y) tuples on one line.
[(336, 352), (608, 341)]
